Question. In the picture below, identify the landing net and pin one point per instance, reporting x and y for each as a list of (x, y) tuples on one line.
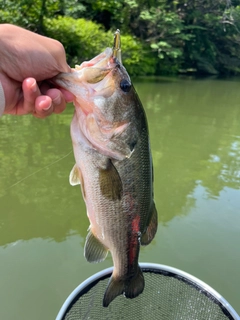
[(169, 294)]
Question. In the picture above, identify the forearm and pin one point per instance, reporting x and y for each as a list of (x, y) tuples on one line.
[(2, 100), (4, 33), (8, 33)]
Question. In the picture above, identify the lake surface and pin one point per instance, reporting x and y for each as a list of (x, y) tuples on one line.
[(195, 138)]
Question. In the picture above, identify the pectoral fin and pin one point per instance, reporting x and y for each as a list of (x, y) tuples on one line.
[(110, 182), (74, 176), (151, 230), (94, 250)]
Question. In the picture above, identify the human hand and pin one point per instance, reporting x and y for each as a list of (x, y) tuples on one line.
[(27, 61)]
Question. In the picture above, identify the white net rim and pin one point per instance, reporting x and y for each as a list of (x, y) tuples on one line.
[(148, 266)]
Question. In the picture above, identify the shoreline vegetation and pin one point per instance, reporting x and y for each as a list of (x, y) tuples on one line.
[(159, 37)]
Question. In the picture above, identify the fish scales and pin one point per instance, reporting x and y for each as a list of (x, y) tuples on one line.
[(114, 167)]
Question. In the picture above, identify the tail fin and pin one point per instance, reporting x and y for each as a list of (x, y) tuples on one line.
[(131, 287)]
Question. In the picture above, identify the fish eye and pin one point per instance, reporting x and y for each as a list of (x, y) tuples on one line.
[(125, 85)]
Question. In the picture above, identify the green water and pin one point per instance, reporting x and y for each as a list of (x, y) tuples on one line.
[(195, 137)]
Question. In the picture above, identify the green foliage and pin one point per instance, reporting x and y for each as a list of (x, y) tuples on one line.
[(85, 39), (158, 36), (215, 47), (165, 32), (136, 57), (30, 13), (82, 39), (27, 13)]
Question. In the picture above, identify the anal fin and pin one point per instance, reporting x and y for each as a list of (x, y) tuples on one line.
[(94, 250), (151, 230)]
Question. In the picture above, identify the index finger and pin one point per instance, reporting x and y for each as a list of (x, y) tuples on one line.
[(46, 86)]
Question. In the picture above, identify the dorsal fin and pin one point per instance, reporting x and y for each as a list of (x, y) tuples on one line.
[(151, 230)]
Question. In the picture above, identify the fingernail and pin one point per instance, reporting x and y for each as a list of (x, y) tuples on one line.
[(57, 100), (47, 108), (34, 86)]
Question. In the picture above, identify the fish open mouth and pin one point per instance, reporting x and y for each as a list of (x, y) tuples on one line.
[(103, 60), (97, 70), (95, 78), (97, 74), (91, 78)]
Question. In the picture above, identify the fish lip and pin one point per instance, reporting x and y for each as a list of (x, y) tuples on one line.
[(105, 61), (92, 79), (97, 61)]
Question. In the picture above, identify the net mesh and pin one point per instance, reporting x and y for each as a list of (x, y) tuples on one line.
[(166, 296)]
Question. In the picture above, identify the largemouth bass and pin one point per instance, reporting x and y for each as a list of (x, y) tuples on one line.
[(114, 167)]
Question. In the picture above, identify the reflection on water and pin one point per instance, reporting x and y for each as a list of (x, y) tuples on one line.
[(35, 196), (195, 134), (195, 138)]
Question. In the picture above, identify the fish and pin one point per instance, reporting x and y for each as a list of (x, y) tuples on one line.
[(114, 167)]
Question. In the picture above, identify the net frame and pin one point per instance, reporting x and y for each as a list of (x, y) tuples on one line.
[(165, 270)]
